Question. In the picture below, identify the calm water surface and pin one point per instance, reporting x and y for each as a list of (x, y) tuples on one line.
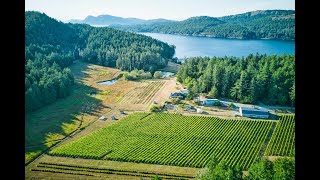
[(109, 82), (189, 46)]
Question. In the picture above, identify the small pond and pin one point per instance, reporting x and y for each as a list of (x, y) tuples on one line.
[(109, 82), (167, 74)]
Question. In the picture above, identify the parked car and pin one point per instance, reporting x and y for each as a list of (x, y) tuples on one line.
[(188, 107), (176, 95)]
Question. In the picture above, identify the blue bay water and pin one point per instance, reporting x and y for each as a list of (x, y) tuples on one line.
[(190, 46)]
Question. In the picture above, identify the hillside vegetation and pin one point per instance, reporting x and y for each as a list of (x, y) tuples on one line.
[(266, 24), (51, 46)]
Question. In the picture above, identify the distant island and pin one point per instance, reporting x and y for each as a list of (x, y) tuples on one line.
[(261, 24), (106, 20)]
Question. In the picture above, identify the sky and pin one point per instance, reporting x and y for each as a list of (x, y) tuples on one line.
[(151, 9)]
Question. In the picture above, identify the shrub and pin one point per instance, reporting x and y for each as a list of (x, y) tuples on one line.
[(134, 74), (154, 108), (146, 75), (175, 101), (157, 74), (126, 76), (213, 92), (217, 103), (231, 106)]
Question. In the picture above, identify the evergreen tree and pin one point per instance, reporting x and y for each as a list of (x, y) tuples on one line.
[(261, 170), (284, 169), (248, 79)]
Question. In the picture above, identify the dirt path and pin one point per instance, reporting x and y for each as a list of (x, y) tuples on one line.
[(163, 94)]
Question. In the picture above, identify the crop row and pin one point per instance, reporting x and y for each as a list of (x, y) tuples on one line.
[(62, 172), (282, 141), (96, 172), (97, 169), (143, 94), (173, 139)]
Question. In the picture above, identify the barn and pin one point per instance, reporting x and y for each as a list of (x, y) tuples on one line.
[(253, 113)]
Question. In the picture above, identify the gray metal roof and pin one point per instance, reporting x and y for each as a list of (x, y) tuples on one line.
[(211, 100), (254, 111)]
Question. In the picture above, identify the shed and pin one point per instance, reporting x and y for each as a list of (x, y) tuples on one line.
[(253, 113), (210, 102)]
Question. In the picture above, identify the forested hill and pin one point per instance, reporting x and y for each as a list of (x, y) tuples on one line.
[(262, 24), (255, 78), (51, 46)]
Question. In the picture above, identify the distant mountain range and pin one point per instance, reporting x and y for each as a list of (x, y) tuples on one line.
[(107, 20), (261, 24)]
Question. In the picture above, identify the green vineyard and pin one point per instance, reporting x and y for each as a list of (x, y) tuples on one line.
[(173, 139), (142, 94), (282, 142)]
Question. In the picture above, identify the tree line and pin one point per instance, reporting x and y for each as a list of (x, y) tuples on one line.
[(251, 79), (51, 46), (280, 169), (141, 74)]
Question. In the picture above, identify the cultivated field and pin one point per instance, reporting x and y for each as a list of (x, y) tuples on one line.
[(68, 168), (173, 139), (282, 142), (142, 94)]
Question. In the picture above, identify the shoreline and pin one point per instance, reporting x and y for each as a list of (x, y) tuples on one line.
[(210, 36)]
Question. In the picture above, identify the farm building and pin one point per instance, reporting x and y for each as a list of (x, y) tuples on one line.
[(176, 95), (210, 102), (253, 113)]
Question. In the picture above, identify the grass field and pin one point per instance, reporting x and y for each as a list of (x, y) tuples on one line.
[(282, 142), (50, 124), (177, 140), (171, 67)]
